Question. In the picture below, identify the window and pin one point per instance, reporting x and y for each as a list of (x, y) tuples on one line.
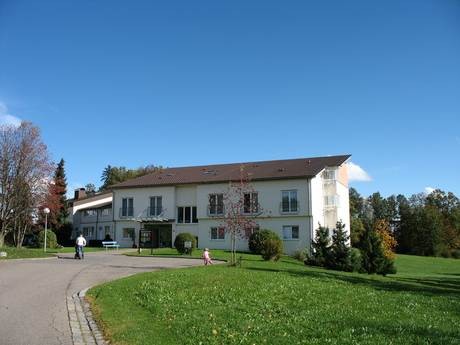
[(107, 230), (105, 212), (249, 231), (289, 201), (290, 232), (187, 214), (218, 233), (216, 204), (128, 233), (329, 174), (89, 213), (250, 202), (88, 231), (156, 207), (331, 200), (127, 209)]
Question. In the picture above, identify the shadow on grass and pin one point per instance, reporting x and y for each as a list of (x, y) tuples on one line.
[(427, 286)]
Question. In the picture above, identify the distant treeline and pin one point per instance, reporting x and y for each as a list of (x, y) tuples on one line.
[(424, 224), (112, 175)]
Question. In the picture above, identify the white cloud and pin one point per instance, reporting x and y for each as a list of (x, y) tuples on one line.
[(429, 190), (356, 173), (6, 118)]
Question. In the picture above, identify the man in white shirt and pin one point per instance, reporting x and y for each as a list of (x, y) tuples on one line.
[(80, 243)]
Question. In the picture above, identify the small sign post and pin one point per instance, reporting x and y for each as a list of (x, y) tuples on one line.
[(188, 247)]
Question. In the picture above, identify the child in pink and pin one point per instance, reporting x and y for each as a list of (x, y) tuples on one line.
[(207, 257)]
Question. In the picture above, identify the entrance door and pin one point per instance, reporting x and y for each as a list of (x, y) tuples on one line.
[(156, 236)]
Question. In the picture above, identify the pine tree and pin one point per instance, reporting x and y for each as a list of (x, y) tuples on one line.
[(61, 189), (321, 247), (339, 258), (373, 254)]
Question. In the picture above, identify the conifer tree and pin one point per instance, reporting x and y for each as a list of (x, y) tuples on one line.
[(339, 258), (321, 247)]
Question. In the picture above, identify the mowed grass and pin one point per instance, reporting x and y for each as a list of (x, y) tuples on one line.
[(29, 253), (283, 303)]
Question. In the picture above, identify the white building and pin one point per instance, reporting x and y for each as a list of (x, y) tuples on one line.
[(92, 215), (295, 195)]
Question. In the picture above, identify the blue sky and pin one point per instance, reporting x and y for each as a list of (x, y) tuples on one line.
[(197, 82)]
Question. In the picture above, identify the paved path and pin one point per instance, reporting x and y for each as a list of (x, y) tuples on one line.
[(33, 293)]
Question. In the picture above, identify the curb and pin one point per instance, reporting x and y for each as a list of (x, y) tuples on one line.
[(29, 259), (83, 327)]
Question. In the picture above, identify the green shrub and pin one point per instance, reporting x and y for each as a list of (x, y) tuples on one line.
[(356, 260), (51, 241), (256, 240), (300, 255), (456, 254), (180, 241), (272, 249)]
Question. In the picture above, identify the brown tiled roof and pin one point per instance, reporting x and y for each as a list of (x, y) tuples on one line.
[(265, 170)]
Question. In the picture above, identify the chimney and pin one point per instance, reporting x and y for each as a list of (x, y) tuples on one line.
[(80, 193)]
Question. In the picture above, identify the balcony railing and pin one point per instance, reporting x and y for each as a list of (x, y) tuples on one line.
[(291, 208), (126, 212), (215, 210), (154, 212)]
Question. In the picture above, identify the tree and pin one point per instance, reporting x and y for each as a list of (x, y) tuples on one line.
[(90, 189), (112, 175), (56, 199), (24, 166), (382, 227), (321, 250), (373, 253), (241, 207), (339, 257)]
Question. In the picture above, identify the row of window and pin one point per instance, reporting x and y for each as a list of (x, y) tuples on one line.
[(89, 231), (93, 212), (289, 204), (290, 232)]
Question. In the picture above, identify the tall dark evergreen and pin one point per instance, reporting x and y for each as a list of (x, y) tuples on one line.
[(321, 247), (60, 182), (339, 257), (373, 254)]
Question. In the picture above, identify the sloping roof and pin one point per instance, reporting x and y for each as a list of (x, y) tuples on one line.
[(265, 170)]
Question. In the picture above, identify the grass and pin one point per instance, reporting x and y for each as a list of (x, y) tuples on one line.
[(283, 303), (28, 253)]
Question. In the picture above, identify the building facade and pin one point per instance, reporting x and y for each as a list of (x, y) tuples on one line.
[(295, 196)]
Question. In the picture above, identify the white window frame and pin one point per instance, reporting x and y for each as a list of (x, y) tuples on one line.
[(217, 229), (88, 232), (290, 238), (155, 199), (127, 207), (216, 213), (290, 210), (105, 212), (123, 233), (330, 174), (183, 215), (251, 202)]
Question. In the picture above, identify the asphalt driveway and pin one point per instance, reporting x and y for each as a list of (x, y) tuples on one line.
[(33, 293)]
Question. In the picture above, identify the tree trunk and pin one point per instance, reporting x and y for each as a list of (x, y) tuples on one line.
[(2, 239)]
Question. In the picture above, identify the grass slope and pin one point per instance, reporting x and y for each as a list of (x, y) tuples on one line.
[(284, 303)]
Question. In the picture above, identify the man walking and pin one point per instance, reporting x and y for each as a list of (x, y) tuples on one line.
[(80, 243)]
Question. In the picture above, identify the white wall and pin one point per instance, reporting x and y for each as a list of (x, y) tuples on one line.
[(141, 200)]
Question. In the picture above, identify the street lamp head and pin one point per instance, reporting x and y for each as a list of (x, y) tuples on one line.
[(46, 210)]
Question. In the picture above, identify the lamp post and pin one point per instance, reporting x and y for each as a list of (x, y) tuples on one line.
[(46, 210)]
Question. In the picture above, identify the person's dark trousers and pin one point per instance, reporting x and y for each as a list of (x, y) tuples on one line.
[(80, 252)]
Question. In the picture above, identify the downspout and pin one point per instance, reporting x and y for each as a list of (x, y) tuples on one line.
[(310, 212), (97, 221)]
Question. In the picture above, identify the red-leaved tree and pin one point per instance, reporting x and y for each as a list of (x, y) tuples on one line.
[(241, 208)]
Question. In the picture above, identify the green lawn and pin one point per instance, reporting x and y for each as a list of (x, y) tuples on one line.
[(283, 303), (28, 253)]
